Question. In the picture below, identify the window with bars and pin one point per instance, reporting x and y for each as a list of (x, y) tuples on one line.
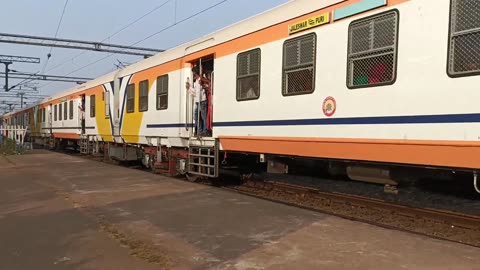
[(299, 56), (372, 50), (65, 111), (60, 112), (106, 97), (464, 51), (70, 106), (130, 98), (248, 75), (143, 97), (92, 106), (162, 92)]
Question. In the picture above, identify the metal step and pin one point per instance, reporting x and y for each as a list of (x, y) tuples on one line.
[(85, 145), (203, 157), (51, 142)]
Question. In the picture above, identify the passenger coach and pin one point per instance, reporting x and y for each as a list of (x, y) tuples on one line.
[(363, 87)]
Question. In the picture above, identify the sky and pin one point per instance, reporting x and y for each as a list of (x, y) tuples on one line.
[(111, 21)]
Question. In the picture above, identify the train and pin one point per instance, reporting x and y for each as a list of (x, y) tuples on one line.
[(366, 88)]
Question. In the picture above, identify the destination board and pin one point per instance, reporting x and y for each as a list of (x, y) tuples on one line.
[(309, 23)]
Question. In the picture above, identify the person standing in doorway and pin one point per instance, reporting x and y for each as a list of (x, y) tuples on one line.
[(196, 92)]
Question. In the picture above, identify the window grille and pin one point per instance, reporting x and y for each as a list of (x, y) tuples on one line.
[(60, 112), (106, 96), (130, 98), (162, 92), (299, 65), (248, 75), (65, 111), (464, 52), (92, 106), (372, 50), (143, 100), (71, 109)]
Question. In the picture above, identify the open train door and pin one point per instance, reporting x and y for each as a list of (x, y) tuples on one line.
[(201, 111), (81, 114), (203, 153), (50, 118)]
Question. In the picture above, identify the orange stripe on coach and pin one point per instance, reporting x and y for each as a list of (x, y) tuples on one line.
[(431, 153), (71, 136)]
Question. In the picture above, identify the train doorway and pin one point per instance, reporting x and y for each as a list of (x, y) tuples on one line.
[(203, 75), (81, 113), (50, 118)]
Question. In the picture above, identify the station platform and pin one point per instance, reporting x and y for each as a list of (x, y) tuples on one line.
[(65, 212)]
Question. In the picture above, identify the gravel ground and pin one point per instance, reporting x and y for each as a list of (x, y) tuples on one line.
[(456, 196)]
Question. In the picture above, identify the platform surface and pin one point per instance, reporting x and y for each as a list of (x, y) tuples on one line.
[(64, 212)]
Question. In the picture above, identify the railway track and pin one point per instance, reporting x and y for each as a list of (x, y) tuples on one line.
[(439, 224)]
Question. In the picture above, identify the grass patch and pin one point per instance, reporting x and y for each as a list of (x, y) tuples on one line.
[(8, 147)]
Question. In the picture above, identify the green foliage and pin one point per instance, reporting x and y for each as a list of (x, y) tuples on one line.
[(8, 147)]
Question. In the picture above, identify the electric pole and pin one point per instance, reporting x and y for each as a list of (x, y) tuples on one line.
[(7, 60)]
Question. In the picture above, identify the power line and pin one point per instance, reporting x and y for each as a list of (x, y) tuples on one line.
[(181, 21), (138, 19), (56, 34), (115, 33), (154, 34), (150, 36), (61, 17), (51, 48)]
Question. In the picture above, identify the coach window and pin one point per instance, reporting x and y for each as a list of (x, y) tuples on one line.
[(143, 100), (65, 111), (60, 112), (299, 65), (70, 106), (464, 49), (248, 75), (372, 50), (130, 98), (92, 106), (55, 113), (106, 97), (162, 92)]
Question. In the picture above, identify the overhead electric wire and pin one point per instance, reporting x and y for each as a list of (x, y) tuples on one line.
[(156, 33), (27, 80), (56, 34), (115, 33), (148, 37), (181, 21), (138, 19)]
